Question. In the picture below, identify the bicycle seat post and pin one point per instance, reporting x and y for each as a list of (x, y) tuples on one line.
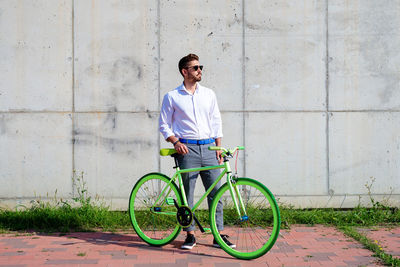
[(175, 159)]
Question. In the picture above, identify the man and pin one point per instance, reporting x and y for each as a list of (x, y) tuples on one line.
[(191, 121)]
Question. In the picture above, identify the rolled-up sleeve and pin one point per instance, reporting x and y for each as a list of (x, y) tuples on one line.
[(165, 119)]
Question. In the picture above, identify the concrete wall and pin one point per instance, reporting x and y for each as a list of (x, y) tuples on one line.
[(310, 88)]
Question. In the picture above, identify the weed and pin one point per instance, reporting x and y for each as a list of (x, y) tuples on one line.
[(87, 213), (376, 204), (59, 215), (371, 245)]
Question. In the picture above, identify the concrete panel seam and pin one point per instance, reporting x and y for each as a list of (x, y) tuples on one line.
[(276, 195), (79, 112), (73, 93), (275, 111), (339, 196), (327, 94), (243, 83), (159, 71), (222, 111), (365, 110), (73, 53)]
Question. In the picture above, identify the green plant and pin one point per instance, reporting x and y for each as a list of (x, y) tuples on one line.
[(83, 214), (376, 204), (371, 245), (80, 187)]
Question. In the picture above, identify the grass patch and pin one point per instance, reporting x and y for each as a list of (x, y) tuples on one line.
[(63, 219), (370, 245), (359, 216), (83, 213), (46, 218), (88, 214)]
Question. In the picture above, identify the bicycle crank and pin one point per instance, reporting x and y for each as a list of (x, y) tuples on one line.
[(184, 216)]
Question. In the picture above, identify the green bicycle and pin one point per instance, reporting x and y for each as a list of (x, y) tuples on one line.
[(158, 209)]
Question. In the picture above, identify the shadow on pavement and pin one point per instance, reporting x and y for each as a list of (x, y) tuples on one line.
[(127, 240)]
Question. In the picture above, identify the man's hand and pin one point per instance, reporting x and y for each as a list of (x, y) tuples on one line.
[(219, 152), (181, 148), (219, 157)]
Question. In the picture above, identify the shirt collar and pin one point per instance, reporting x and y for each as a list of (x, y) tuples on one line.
[(183, 88)]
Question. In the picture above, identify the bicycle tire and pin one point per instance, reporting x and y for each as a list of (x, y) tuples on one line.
[(155, 228), (255, 236)]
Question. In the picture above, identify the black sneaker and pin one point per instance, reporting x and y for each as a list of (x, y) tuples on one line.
[(225, 238), (189, 243)]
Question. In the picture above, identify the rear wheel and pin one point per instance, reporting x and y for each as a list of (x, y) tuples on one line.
[(152, 216), (255, 232)]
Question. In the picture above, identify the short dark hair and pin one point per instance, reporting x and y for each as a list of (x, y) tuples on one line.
[(185, 60)]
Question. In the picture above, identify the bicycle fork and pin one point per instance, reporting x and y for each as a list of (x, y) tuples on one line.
[(236, 197)]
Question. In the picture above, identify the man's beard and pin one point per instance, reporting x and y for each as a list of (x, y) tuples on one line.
[(196, 78)]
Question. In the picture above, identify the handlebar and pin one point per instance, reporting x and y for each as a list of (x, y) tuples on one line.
[(226, 152)]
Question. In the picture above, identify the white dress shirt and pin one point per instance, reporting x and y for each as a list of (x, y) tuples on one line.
[(190, 116)]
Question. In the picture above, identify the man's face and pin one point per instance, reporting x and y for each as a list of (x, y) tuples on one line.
[(193, 74)]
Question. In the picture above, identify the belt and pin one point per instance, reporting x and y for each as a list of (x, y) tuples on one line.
[(197, 142)]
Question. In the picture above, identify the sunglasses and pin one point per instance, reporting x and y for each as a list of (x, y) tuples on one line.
[(196, 67)]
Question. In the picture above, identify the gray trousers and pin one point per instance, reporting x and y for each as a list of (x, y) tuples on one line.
[(200, 156)]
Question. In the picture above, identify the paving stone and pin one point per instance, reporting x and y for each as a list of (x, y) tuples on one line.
[(298, 246), (230, 264), (13, 253), (387, 238), (53, 249), (305, 229), (64, 243), (324, 239), (70, 261), (17, 243)]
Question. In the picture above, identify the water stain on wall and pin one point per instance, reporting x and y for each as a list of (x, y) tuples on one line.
[(110, 133), (225, 46), (125, 72), (125, 146), (116, 80), (236, 20), (269, 26), (378, 57), (379, 49), (111, 120), (2, 125)]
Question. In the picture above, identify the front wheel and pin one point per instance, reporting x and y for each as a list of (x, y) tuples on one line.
[(255, 231), (154, 217)]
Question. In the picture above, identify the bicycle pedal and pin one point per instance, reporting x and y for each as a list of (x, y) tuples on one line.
[(169, 201), (207, 230), (244, 218)]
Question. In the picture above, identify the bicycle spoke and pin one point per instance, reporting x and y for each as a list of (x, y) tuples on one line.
[(148, 209), (252, 234)]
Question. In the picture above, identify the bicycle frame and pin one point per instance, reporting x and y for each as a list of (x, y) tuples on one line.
[(226, 171)]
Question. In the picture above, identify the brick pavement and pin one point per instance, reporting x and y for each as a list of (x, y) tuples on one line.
[(299, 246), (387, 238)]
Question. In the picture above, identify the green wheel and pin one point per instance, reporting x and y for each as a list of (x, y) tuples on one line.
[(152, 216), (253, 233)]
